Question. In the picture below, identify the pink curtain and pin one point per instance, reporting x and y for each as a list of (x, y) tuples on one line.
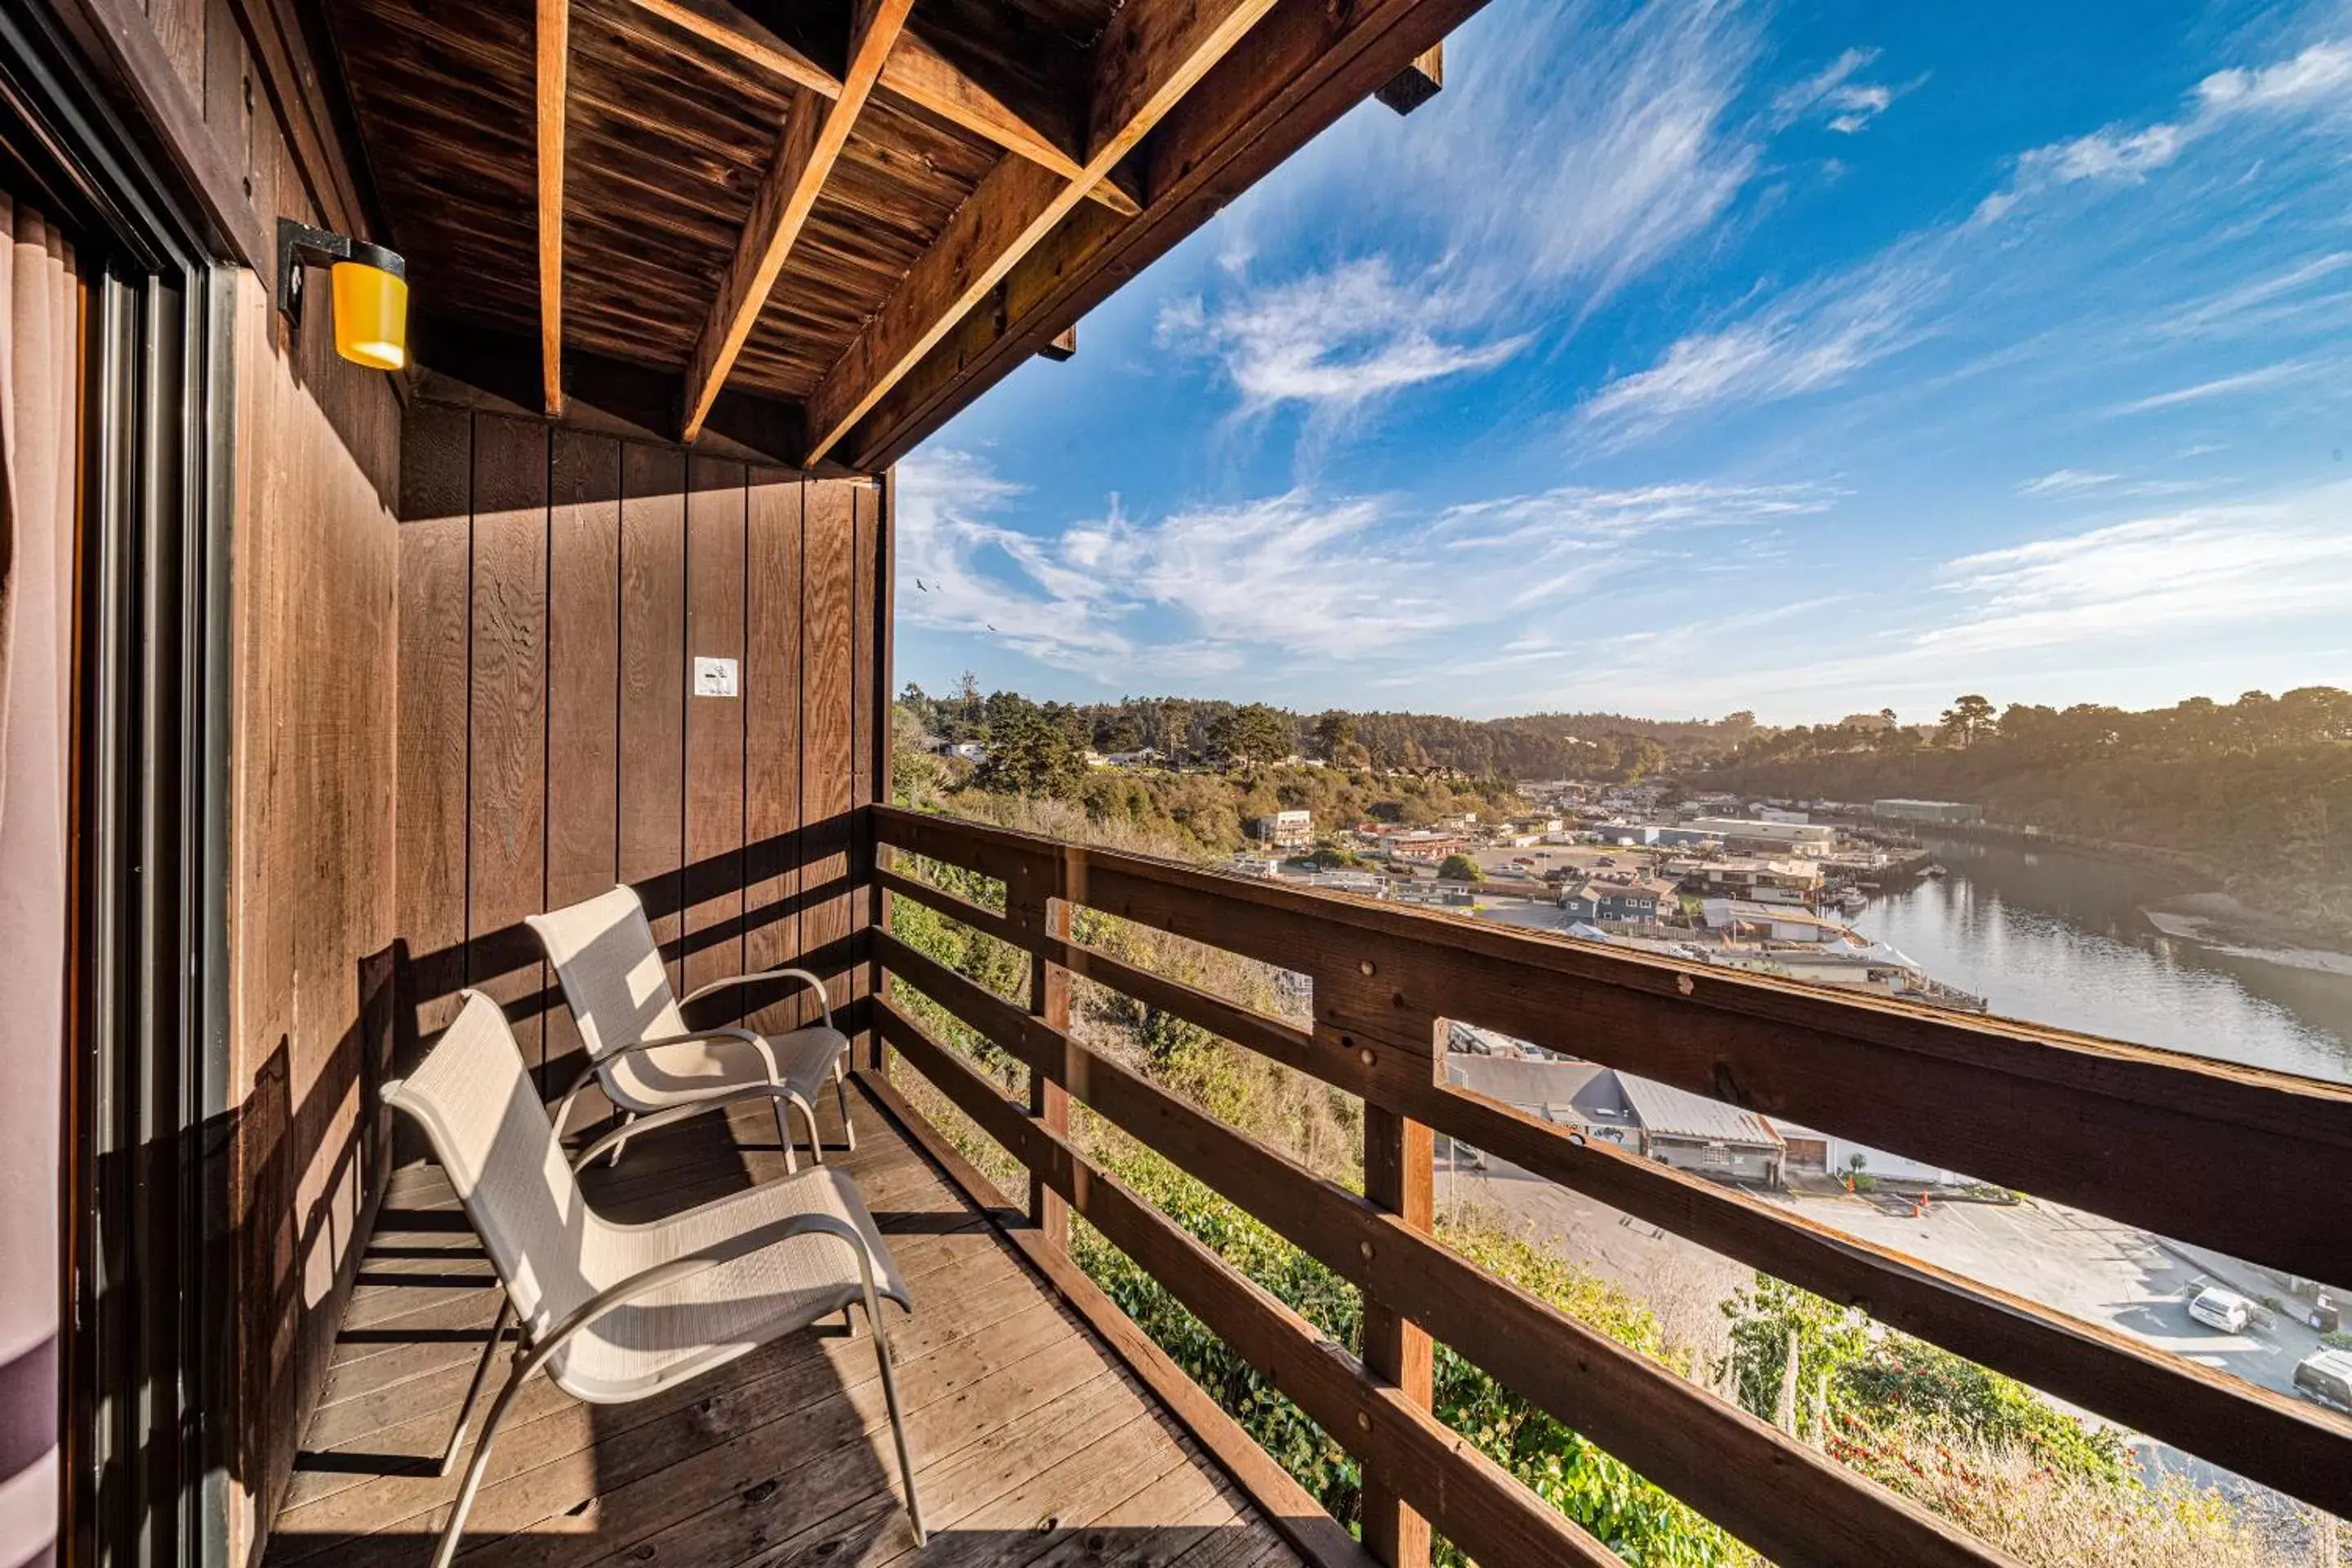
[(40, 357)]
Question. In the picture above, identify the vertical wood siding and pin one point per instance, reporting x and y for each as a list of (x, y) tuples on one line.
[(560, 586)]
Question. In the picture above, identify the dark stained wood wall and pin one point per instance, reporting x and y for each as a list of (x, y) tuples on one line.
[(556, 586), (314, 617)]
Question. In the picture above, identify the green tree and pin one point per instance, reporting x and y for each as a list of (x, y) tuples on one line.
[(1642, 757), (1028, 755), (1118, 733), (1460, 869), (1333, 731), (1969, 719), (1255, 733)]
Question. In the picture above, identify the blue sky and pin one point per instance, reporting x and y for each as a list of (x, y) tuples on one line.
[(1685, 357)]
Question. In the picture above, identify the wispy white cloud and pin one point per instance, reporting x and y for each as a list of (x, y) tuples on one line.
[(2221, 386), (1547, 175), (1347, 580), (2251, 566), (2066, 483), (2317, 80), (2173, 595), (1335, 340), (1604, 139), (1844, 105), (1807, 339), (2264, 303), (961, 570)]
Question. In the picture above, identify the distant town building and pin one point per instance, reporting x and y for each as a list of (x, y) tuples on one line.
[(1264, 866), (1628, 832), (1703, 1136), (1769, 921), (1687, 1131), (1766, 881), (1645, 900), (1420, 849), (1287, 831), (1739, 832), (1583, 1097), (1901, 810)]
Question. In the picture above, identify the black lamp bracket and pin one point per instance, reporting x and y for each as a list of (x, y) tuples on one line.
[(300, 246)]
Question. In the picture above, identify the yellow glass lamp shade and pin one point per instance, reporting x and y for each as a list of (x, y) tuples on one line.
[(371, 315)]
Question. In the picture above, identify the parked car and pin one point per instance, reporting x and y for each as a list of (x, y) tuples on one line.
[(2327, 1376), (2219, 1309)]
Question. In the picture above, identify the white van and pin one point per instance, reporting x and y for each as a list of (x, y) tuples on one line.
[(2327, 1376), (2219, 1309)]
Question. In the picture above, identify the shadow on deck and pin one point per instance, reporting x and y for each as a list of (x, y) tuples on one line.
[(1034, 1443)]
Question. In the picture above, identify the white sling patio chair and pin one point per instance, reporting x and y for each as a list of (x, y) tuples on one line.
[(638, 1042), (615, 1312)]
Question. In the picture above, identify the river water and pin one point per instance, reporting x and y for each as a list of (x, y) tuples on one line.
[(2060, 939)]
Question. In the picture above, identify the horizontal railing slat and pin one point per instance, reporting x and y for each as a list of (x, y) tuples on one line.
[(2258, 1433), (1284, 1042), (1477, 1504), (1772, 1492), (2232, 1157)]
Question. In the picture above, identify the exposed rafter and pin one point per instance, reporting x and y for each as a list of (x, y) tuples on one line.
[(1152, 54), (922, 76), (1305, 66), (815, 130), (914, 71), (554, 64), (732, 29)]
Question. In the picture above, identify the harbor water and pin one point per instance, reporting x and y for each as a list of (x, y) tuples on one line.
[(2065, 938)]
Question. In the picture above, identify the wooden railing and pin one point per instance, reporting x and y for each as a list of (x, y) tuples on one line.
[(2236, 1159)]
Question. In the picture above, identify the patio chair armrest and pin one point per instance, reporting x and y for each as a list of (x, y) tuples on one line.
[(655, 1122), (693, 1262), (823, 1003), (599, 1063)]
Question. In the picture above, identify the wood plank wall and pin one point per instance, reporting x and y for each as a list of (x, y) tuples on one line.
[(556, 586), (314, 623)]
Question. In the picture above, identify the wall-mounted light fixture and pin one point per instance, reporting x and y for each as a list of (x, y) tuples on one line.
[(370, 291)]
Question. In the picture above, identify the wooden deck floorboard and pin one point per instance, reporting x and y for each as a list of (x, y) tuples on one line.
[(1035, 1446)]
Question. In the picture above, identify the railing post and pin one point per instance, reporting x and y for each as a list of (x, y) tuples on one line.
[(878, 980), (1049, 1102), (1370, 1008), (1398, 1161)]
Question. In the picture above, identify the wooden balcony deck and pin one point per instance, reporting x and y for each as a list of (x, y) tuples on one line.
[(1035, 1443)]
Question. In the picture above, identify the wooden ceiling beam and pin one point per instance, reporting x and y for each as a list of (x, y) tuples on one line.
[(1306, 64), (737, 31), (815, 130), (914, 71), (929, 79), (553, 70), (1153, 53)]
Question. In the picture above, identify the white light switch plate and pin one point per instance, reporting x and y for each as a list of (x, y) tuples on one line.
[(714, 677)]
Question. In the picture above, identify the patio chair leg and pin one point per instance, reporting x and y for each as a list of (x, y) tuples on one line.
[(817, 1139), (628, 1118), (456, 1529), (784, 1136), (481, 1374), (841, 1093), (898, 1420)]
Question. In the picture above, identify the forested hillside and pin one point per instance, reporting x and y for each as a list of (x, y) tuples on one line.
[(1183, 729), (2261, 788)]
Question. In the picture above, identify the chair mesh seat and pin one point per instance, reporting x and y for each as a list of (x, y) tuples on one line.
[(712, 1317), (671, 1075)]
